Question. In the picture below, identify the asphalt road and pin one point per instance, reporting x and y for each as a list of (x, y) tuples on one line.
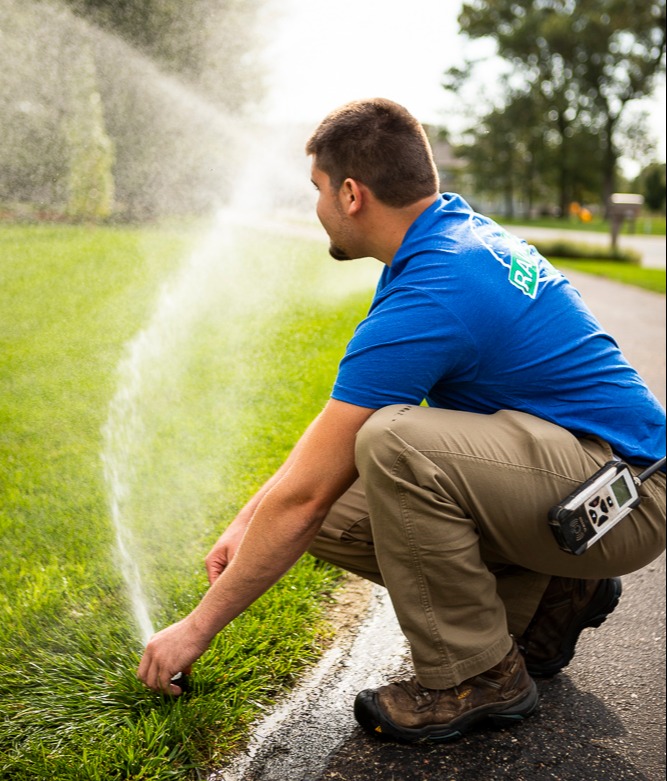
[(602, 719)]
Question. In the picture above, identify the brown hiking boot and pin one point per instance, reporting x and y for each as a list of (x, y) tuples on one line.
[(567, 608), (408, 712)]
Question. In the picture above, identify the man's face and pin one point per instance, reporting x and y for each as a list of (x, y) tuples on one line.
[(332, 216)]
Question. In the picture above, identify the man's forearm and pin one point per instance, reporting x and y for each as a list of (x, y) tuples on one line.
[(278, 535)]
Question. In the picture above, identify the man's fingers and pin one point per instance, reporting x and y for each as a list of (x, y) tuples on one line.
[(143, 669), (150, 675), (163, 684), (214, 569)]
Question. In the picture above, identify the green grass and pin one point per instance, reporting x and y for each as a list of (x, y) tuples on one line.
[(646, 224), (220, 407), (648, 278)]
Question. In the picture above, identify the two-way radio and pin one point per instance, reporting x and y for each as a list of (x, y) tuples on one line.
[(597, 505)]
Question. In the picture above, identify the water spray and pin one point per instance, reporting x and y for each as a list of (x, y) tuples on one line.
[(254, 170), (148, 359)]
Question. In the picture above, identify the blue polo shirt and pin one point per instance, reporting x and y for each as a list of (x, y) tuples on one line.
[(469, 317)]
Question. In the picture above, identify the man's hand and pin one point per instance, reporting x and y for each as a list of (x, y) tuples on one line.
[(168, 652), (224, 550)]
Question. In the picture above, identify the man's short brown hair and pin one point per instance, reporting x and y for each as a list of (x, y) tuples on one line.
[(379, 143)]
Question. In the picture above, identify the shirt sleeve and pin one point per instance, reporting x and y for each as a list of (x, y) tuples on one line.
[(408, 342)]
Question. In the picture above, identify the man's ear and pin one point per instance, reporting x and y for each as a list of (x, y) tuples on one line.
[(352, 196)]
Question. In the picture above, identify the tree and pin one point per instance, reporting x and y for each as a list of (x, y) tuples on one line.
[(209, 43), (512, 152), (587, 59), (86, 115), (90, 181), (651, 184), (505, 152)]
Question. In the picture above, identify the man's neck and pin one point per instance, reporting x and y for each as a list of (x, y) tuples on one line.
[(390, 225)]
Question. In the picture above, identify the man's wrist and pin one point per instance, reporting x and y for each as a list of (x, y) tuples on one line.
[(202, 626)]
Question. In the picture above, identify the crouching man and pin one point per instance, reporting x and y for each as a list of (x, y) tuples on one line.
[(445, 505)]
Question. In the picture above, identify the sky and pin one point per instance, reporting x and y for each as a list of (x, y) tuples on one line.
[(322, 53)]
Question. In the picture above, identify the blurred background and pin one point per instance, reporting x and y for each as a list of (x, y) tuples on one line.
[(128, 110)]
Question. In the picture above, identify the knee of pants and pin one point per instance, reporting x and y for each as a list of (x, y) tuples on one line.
[(376, 442)]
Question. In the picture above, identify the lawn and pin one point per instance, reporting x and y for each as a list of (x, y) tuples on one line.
[(225, 364), (647, 224), (629, 274)]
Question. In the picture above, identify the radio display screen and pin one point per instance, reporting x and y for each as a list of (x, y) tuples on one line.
[(621, 491)]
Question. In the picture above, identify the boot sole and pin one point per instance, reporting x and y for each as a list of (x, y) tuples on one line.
[(601, 606), (371, 717)]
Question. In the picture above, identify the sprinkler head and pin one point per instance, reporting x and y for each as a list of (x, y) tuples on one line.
[(182, 681)]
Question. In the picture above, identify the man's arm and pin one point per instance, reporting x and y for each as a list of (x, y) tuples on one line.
[(225, 547), (284, 523)]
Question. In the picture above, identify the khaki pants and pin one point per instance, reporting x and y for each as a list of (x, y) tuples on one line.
[(450, 514)]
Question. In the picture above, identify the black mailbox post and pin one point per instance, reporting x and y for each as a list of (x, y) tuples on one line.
[(623, 206)]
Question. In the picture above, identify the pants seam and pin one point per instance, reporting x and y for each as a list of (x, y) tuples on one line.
[(421, 580), (499, 462)]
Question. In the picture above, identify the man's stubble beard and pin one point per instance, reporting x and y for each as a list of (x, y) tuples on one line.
[(337, 253)]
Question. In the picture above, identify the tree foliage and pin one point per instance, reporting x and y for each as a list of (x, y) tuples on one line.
[(210, 43), (91, 183), (580, 62), (651, 184), (135, 102)]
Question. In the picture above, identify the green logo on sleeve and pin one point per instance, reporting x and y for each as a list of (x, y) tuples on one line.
[(524, 272)]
